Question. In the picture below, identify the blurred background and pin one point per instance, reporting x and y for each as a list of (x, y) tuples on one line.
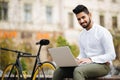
[(25, 22)]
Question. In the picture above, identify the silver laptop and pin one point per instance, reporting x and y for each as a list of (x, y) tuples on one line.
[(62, 56)]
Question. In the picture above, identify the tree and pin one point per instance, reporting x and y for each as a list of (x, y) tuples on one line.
[(61, 41), (6, 57), (116, 62)]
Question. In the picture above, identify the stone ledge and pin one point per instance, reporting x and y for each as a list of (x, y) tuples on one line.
[(102, 78)]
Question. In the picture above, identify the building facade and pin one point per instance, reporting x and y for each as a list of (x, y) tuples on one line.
[(32, 20), (43, 18)]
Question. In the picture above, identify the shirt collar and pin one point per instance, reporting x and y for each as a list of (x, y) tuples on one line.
[(91, 29)]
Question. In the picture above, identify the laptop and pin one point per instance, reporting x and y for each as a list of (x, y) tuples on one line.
[(62, 56)]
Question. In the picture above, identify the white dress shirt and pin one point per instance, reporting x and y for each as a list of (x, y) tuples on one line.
[(97, 44)]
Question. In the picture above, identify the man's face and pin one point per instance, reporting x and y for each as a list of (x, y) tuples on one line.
[(84, 19)]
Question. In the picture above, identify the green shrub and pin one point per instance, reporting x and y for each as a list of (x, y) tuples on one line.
[(61, 41), (6, 57)]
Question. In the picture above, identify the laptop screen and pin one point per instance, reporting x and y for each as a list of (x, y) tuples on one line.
[(62, 56)]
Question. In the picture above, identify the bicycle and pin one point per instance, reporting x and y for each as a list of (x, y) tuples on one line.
[(41, 70)]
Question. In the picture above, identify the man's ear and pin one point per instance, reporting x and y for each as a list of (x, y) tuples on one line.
[(90, 14)]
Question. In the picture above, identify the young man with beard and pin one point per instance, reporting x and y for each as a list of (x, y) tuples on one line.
[(96, 50)]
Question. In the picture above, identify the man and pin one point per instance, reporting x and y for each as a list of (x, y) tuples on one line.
[(96, 50)]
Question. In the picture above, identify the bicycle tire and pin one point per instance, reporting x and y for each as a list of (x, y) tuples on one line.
[(14, 73), (44, 71)]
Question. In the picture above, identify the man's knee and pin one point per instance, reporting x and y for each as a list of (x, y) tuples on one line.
[(78, 74), (58, 74), (58, 71), (77, 71)]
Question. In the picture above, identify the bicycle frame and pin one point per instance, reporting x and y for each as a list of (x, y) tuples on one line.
[(24, 54), (17, 62), (37, 61), (18, 65)]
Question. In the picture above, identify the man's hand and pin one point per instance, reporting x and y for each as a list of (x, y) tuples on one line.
[(84, 60)]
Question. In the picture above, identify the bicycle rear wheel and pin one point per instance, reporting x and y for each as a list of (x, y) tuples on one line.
[(44, 71), (10, 73)]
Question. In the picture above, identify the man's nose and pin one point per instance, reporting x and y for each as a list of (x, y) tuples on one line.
[(81, 21)]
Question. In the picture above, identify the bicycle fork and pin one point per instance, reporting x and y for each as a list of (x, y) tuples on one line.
[(11, 73)]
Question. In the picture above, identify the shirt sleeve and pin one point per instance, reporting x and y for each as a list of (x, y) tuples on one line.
[(109, 51)]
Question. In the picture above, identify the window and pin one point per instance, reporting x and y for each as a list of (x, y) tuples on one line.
[(26, 35), (49, 14), (27, 12), (70, 20), (3, 10), (114, 22), (114, 1), (102, 20), (100, 0)]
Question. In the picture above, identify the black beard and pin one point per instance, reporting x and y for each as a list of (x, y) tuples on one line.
[(87, 24)]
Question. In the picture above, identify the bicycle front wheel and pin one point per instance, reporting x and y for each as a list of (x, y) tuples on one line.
[(10, 73), (44, 71)]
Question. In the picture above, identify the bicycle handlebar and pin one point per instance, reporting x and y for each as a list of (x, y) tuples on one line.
[(23, 53)]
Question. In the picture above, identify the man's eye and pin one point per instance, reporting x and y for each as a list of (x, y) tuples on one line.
[(83, 17), (78, 18)]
